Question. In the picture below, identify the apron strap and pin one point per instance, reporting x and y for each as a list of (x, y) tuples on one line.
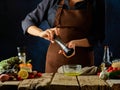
[(58, 13), (64, 4), (67, 4)]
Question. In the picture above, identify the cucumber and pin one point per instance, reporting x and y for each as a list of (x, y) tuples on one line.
[(114, 74)]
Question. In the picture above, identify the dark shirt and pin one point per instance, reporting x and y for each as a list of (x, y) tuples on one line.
[(46, 10)]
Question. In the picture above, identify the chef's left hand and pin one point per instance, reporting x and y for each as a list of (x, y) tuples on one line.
[(70, 44)]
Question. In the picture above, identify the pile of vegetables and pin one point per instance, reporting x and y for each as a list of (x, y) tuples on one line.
[(9, 64), (14, 69), (112, 72)]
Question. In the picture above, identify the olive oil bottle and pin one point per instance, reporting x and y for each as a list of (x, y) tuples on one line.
[(106, 58)]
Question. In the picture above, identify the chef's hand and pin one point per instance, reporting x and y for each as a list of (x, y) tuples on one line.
[(71, 44), (48, 34)]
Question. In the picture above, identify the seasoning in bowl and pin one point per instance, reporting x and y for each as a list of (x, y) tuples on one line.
[(72, 70)]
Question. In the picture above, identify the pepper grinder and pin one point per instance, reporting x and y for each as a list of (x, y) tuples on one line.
[(68, 51)]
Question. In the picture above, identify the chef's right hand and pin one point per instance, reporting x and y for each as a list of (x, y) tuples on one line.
[(48, 34)]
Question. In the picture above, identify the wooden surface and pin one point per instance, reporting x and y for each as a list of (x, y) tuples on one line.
[(92, 83), (57, 81), (63, 82), (114, 84)]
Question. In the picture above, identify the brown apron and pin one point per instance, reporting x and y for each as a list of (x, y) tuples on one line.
[(73, 24)]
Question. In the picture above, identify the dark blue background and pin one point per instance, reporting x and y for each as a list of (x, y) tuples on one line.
[(11, 35), (112, 26)]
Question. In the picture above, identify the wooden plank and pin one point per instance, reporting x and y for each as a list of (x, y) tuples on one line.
[(16, 83), (0, 84), (25, 84), (7, 85), (37, 83), (63, 82), (44, 82), (114, 84), (92, 83)]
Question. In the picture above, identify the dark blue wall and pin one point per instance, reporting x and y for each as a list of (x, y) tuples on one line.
[(12, 12), (112, 26)]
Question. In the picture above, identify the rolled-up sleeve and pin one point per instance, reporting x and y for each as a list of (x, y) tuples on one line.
[(36, 16)]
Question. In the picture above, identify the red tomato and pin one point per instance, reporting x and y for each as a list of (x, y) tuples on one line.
[(115, 69), (98, 73), (118, 68), (19, 78), (110, 71), (110, 68), (31, 76), (39, 74)]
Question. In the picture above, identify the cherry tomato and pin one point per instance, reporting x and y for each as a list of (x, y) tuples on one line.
[(110, 68), (39, 74), (31, 76), (115, 69)]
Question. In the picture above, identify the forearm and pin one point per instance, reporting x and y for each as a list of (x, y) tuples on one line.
[(82, 42), (47, 34), (76, 43), (34, 30)]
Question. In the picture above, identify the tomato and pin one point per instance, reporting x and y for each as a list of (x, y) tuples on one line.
[(110, 71), (31, 76), (110, 68), (115, 69), (98, 73), (39, 74), (19, 78), (119, 69)]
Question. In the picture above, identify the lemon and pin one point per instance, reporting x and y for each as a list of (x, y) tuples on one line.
[(23, 74)]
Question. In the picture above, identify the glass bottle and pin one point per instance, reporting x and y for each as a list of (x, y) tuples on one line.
[(106, 58), (21, 54)]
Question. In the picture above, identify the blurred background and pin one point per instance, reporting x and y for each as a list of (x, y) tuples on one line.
[(12, 12)]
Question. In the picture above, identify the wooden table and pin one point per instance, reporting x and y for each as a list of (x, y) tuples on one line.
[(57, 81)]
